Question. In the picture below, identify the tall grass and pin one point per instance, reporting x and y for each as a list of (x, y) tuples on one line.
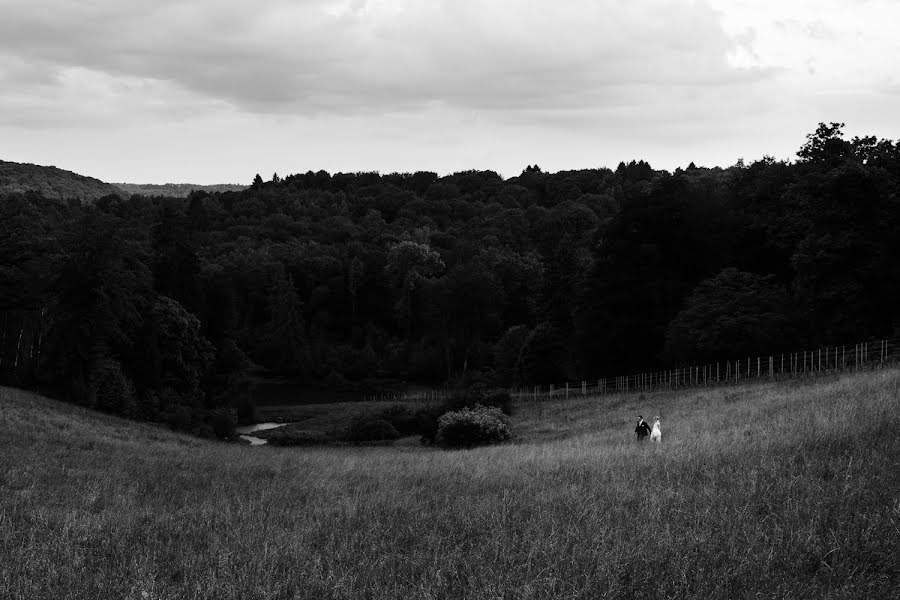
[(777, 491)]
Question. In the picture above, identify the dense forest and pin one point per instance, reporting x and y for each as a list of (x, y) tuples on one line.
[(164, 308)]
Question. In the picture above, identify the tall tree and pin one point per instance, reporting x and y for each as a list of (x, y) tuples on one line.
[(732, 315), (653, 253)]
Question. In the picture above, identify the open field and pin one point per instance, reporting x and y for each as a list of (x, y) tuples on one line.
[(770, 491)]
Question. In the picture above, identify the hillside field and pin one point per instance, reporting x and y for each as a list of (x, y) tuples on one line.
[(787, 490)]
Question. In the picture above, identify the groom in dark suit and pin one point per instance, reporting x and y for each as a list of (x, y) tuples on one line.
[(642, 430)]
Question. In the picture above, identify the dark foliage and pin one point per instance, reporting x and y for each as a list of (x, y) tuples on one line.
[(732, 315), (427, 423), (223, 422), (160, 308), (402, 418), (371, 430), (297, 437)]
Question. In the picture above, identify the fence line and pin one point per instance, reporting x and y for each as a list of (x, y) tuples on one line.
[(829, 359), (868, 355)]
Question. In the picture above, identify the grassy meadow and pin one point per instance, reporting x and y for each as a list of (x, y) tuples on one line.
[(768, 491)]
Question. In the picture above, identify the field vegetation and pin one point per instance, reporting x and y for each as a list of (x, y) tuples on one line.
[(170, 309), (771, 491)]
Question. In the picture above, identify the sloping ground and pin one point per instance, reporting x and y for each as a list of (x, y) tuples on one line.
[(762, 492), (51, 182)]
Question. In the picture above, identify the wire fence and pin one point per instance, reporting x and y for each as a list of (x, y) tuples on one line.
[(862, 356), (869, 355)]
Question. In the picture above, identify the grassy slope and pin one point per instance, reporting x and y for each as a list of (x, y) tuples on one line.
[(762, 492)]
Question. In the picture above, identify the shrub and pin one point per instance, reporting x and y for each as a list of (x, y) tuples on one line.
[(473, 427), (371, 430)]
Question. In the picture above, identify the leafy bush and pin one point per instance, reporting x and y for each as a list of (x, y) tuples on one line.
[(371, 430), (473, 427)]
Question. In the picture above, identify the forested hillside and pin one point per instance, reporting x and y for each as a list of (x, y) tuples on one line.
[(158, 307), (176, 190), (51, 183)]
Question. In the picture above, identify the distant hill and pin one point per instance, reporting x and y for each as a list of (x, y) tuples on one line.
[(58, 184), (52, 182), (176, 190)]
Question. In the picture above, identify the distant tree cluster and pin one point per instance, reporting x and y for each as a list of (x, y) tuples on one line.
[(161, 307), (175, 190)]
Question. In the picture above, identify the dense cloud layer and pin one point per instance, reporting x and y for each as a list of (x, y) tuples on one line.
[(441, 84), (539, 57)]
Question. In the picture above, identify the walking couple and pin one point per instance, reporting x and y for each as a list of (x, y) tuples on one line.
[(643, 430)]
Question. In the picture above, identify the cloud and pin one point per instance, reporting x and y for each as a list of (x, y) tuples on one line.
[(155, 91), (543, 61)]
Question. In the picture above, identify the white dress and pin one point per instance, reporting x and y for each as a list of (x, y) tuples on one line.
[(656, 434)]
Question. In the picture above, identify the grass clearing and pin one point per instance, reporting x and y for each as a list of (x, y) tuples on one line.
[(769, 491)]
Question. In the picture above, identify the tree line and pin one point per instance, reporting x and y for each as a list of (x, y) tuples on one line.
[(165, 308)]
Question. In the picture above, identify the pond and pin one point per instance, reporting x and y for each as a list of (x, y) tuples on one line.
[(244, 431)]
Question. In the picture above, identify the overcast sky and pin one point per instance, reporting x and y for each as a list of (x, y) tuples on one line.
[(214, 91)]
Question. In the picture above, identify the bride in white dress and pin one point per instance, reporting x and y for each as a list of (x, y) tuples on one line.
[(656, 434)]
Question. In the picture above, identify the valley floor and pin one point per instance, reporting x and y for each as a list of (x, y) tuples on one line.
[(769, 491)]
